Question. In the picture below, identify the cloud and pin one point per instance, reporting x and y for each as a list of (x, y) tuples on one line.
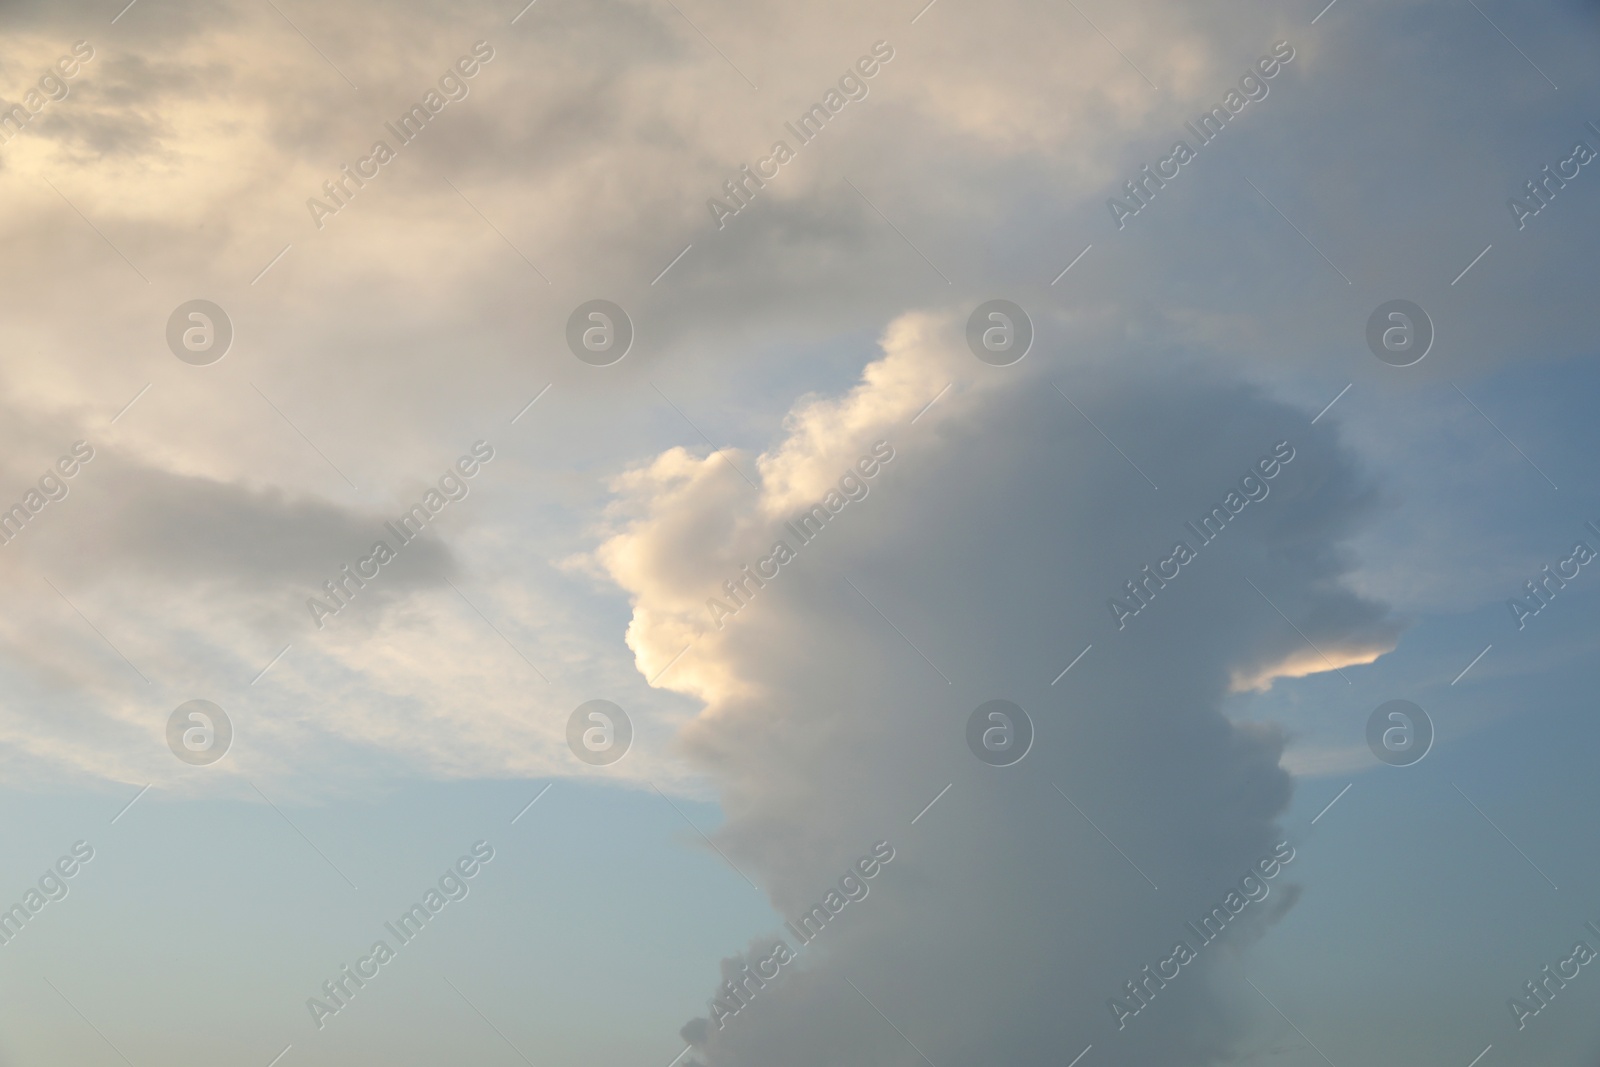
[(826, 704), (1312, 661), (991, 544), (589, 145)]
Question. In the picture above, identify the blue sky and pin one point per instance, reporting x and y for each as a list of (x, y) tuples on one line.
[(428, 320)]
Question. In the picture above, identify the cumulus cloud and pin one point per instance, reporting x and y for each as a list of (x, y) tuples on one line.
[(990, 545)]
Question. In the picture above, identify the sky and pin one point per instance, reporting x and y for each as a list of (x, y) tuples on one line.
[(672, 532)]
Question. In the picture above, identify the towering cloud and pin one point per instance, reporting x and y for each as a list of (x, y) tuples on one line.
[(1007, 921)]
